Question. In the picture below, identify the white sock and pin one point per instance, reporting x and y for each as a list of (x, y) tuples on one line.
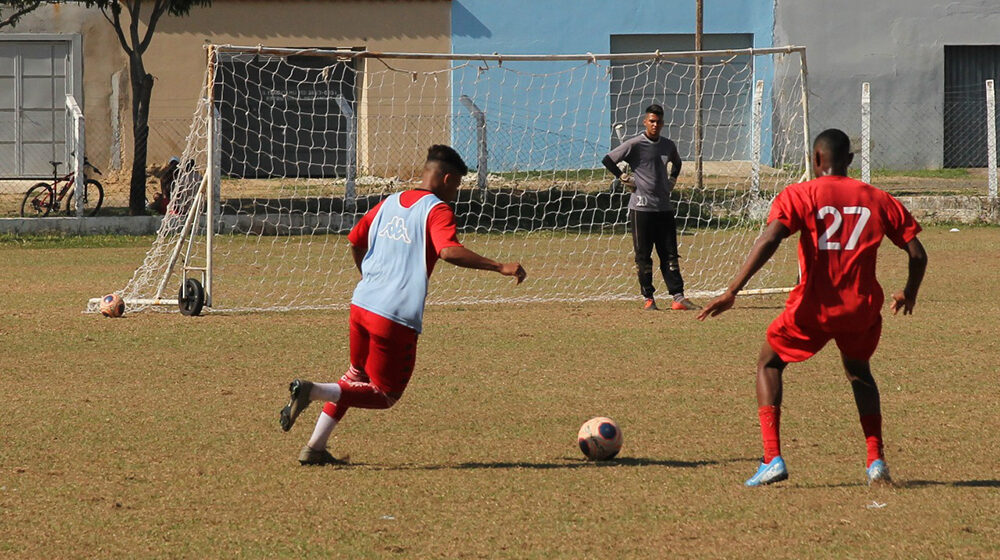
[(321, 433), (325, 392)]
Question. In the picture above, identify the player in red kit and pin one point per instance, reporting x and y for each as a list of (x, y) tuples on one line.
[(841, 223), (395, 246)]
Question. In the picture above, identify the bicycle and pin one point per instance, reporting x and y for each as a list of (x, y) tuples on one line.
[(43, 198)]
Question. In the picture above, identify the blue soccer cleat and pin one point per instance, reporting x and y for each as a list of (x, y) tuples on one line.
[(878, 473), (769, 473)]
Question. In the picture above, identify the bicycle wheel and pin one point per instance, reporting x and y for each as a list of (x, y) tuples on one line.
[(37, 201), (95, 197)]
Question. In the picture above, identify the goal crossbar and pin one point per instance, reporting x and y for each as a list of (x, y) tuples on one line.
[(655, 55)]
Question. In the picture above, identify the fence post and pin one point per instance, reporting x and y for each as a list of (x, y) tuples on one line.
[(350, 191), (866, 133), (991, 140), (758, 113), (79, 154), (480, 140)]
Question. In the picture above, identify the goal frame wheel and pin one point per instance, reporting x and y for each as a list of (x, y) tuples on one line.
[(191, 298)]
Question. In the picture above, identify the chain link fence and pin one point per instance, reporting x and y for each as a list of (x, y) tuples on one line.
[(916, 146), (111, 153)]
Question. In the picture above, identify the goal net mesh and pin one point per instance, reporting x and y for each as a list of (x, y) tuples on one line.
[(298, 145)]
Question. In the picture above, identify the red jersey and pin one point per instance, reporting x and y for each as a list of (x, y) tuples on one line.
[(842, 222), (441, 230)]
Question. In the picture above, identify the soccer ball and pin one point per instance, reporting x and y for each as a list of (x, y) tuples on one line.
[(600, 438), (112, 305)]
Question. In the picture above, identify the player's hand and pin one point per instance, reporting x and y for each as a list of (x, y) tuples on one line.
[(671, 182), (513, 269), (718, 305), (627, 181), (900, 301)]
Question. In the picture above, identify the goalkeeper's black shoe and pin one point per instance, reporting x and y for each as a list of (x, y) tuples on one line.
[(310, 456), (298, 401)]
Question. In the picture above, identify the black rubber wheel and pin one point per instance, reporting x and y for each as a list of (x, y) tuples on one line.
[(195, 300), (95, 197), (38, 201)]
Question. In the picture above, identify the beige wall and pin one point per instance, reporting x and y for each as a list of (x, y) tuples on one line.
[(176, 58)]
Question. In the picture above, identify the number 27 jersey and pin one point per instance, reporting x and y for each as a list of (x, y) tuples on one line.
[(841, 222)]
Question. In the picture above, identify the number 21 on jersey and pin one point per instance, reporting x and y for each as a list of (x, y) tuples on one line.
[(824, 242)]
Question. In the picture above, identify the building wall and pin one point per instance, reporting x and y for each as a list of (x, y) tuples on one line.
[(897, 46), (177, 60), (101, 58), (575, 106)]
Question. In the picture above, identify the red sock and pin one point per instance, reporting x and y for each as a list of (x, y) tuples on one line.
[(770, 422), (334, 410), (871, 424)]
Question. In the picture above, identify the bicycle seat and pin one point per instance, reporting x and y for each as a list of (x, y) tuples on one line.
[(55, 163)]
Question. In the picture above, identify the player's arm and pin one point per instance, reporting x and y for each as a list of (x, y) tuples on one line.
[(675, 165), (907, 298), (465, 258), (763, 249), (612, 166), (359, 254), (358, 236)]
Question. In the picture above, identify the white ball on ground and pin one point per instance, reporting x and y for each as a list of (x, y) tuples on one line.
[(600, 438), (112, 305)]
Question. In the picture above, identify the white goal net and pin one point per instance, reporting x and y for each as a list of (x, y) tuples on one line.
[(289, 148)]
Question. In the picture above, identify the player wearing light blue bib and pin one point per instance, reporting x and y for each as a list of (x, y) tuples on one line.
[(395, 246), (394, 270)]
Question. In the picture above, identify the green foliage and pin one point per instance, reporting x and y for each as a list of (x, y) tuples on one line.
[(63, 241), (956, 173), (172, 7), (11, 11)]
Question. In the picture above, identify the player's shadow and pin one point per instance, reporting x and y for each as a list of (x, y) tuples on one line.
[(568, 463), (911, 484), (985, 483)]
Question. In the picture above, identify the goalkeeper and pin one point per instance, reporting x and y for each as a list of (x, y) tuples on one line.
[(650, 212)]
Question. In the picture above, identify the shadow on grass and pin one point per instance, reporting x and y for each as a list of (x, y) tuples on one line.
[(910, 484), (569, 463), (956, 483)]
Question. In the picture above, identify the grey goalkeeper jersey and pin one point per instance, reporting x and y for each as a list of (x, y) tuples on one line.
[(648, 160)]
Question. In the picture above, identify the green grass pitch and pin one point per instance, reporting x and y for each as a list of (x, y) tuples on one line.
[(156, 435)]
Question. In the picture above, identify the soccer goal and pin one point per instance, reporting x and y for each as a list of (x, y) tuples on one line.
[(289, 148)]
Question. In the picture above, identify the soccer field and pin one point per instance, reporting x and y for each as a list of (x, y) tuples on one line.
[(156, 435)]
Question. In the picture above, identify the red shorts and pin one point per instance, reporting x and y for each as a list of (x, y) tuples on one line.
[(382, 350), (795, 343)]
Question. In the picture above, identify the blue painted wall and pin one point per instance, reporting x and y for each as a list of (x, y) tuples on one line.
[(581, 120)]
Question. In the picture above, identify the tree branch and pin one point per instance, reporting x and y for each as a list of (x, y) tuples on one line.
[(11, 20), (116, 24), (134, 7), (158, 10)]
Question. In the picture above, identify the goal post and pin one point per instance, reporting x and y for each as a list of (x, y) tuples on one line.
[(288, 148)]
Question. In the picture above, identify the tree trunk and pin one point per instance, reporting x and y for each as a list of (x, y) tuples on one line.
[(142, 89)]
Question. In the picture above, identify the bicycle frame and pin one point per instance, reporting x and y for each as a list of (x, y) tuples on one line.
[(67, 181)]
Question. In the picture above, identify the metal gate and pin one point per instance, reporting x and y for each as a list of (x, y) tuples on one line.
[(966, 69), (35, 76), (675, 91), (287, 120)]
